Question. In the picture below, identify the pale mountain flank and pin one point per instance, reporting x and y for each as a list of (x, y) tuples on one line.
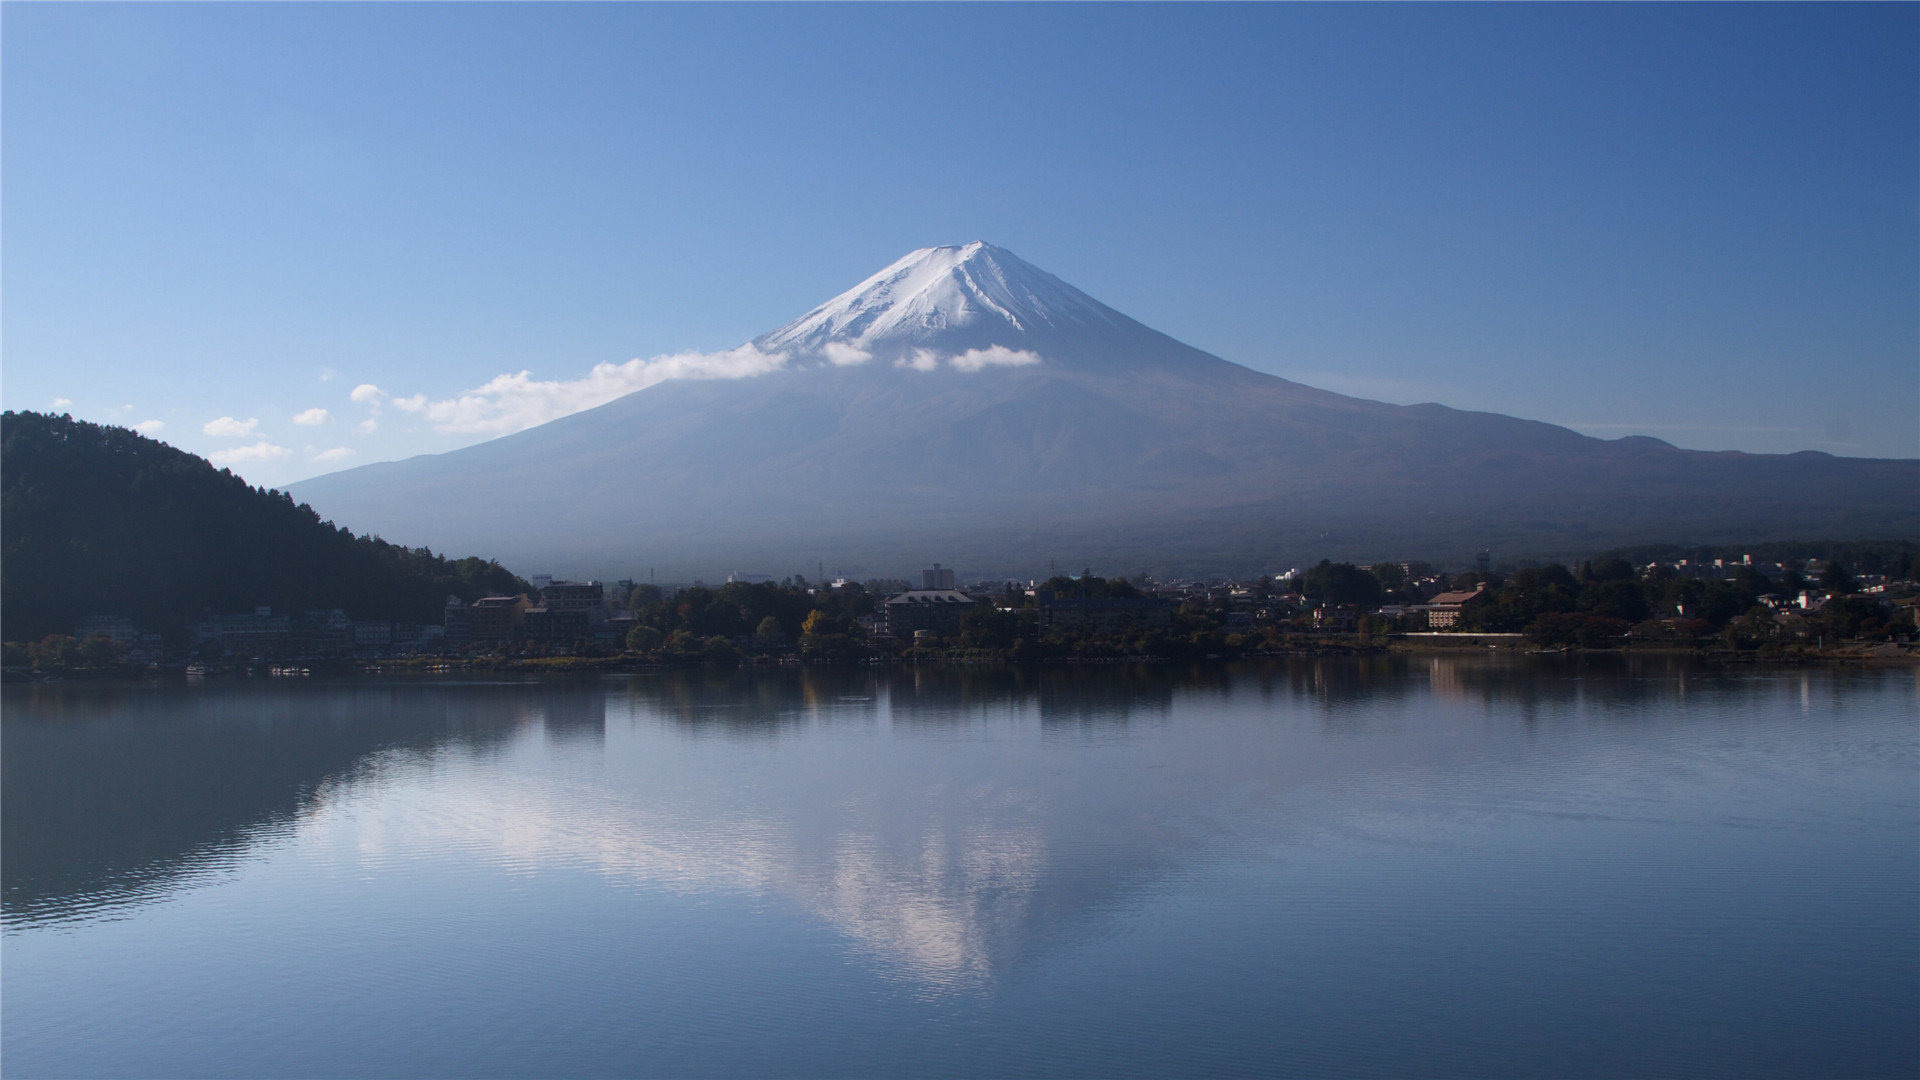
[(964, 404)]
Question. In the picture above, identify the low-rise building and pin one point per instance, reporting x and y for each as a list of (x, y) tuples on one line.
[(261, 633), (937, 610), (494, 618), (1443, 611)]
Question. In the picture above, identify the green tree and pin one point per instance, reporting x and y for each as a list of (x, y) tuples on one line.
[(1342, 584), (1615, 598), (99, 651), (643, 638), (827, 636), (1837, 578), (55, 652)]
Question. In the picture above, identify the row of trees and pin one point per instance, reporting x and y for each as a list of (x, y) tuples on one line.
[(1608, 597)]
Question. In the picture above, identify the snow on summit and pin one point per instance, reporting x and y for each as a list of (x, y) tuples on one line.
[(977, 299)]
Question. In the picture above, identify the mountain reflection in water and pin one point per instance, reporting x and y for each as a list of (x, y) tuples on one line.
[(944, 867)]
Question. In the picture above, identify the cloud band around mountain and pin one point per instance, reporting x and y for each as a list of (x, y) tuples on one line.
[(971, 360), (510, 403)]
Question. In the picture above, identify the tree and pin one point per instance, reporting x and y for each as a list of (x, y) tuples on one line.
[(55, 652), (1836, 577), (987, 627), (99, 650), (827, 636), (1615, 598), (1342, 584), (643, 639), (768, 634)]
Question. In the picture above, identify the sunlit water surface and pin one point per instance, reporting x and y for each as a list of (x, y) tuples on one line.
[(1332, 867)]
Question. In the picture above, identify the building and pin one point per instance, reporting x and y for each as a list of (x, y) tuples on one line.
[(260, 634), (938, 610), (494, 618), (1443, 611), (453, 632), (936, 577), (573, 595), (544, 622)]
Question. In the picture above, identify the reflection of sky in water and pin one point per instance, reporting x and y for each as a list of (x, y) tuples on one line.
[(946, 827), (1312, 867)]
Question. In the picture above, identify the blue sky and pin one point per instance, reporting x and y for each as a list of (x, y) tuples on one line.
[(1695, 222)]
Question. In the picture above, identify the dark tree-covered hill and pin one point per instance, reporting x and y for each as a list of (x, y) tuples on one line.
[(100, 520)]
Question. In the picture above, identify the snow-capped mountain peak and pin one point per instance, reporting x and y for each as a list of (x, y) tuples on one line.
[(949, 299)]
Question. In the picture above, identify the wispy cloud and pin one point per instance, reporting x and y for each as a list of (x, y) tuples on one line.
[(841, 354), (971, 360), (368, 426), (993, 356), (510, 403), (61, 402), (226, 427), (240, 455), (312, 417), (327, 374), (338, 453), (150, 427)]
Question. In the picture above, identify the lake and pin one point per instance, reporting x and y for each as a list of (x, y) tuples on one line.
[(1389, 866)]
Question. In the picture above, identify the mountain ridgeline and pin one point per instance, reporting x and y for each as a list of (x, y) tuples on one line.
[(100, 520), (963, 404)]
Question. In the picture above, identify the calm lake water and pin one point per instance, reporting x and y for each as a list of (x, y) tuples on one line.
[(1326, 867)]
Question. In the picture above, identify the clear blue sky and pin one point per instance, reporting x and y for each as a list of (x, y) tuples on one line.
[(1697, 222)]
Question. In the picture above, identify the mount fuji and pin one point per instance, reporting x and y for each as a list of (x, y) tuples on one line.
[(966, 406)]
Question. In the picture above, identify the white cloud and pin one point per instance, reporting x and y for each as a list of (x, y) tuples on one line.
[(841, 354), (228, 428), (993, 356), (338, 453), (369, 426), (150, 427), (971, 360), (511, 403), (260, 451), (61, 402), (312, 417), (327, 374), (367, 394)]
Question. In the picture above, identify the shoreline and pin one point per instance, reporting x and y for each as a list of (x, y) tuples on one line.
[(1462, 645)]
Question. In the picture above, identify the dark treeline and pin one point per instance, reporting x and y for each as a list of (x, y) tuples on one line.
[(101, 520), (707, 622), (1607, 598)]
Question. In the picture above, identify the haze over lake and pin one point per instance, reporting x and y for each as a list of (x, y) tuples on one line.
[(1325, 866)]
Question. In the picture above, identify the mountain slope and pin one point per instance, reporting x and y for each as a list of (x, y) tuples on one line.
[(964, 405), (100, 520)]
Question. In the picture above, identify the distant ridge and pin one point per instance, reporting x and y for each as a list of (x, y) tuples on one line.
[(964, 404)]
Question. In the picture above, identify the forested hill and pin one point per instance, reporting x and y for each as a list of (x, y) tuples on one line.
[(100, 520)]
